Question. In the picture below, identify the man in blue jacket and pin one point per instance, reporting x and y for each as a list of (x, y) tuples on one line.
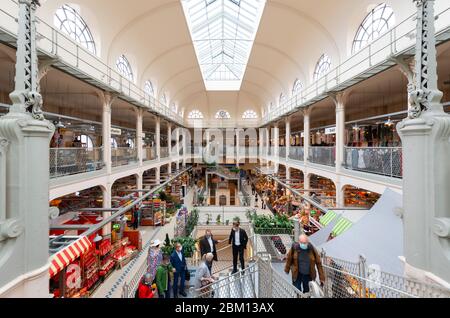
[(178, 261)]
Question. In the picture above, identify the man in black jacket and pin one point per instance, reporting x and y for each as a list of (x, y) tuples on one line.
[(208, 245), (238, 239)]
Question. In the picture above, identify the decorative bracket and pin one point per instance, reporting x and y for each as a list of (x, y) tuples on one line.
[(441, 227)]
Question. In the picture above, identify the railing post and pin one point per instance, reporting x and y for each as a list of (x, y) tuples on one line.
[(363, 275)]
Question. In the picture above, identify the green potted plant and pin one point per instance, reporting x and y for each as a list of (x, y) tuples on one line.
[(237, 219), (218, 220), (227, 222)]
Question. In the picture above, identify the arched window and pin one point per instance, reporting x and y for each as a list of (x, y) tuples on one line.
[(378, 21), (149, 89), (249, 114), (223, 114), (195, 114), (113, 142), (86, 142), (124, 67), (282, 99), (322, 67), (163, 99), (297, 88), (69, 21)]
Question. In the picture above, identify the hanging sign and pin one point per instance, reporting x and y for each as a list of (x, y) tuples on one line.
[(330, 131), (116, 131)]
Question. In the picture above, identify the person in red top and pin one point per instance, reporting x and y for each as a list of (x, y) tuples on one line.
[(145, 287)]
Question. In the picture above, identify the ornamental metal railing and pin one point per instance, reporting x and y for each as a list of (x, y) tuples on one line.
[(55, 43), (69, 161), (344, 279), (149, 154), (297, 153), (322, 155), (394, 42), (385, 161), (123, 156)]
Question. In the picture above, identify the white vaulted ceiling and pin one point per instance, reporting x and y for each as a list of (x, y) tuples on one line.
[(155, 37)]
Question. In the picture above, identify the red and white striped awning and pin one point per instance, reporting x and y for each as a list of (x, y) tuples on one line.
[(67, 255)]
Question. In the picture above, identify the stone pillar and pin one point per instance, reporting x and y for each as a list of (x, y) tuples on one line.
[(339, 101), (158, 174), (287, 138), (107, 99), (306, 181), (237, 147), (158, 138), (169, 145), (340, 202), (425, 135), (306, 133), (24, 174), (139, 134), (107, 195)]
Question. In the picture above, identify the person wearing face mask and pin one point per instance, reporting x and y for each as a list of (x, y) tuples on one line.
[(238, 238), (178, 261), (208, 245), (302, 260)]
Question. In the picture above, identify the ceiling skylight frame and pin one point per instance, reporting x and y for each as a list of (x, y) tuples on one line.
[(223, 33)]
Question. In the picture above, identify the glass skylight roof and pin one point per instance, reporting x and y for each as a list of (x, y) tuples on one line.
[(223, 32)]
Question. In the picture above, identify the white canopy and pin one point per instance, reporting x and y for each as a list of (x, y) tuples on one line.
[(378, 237)]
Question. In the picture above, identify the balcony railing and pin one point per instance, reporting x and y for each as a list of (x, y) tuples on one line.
[(164, 152), (69, 161), (297, 153), (282, 152), (383, 161), (55, 43), (397, 40), (322, 155), (123, 156), (149, 154)]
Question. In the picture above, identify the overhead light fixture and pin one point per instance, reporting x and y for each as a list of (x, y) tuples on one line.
[(76, 217), (98, 238), (389, 122), (356, 127), (99, 218), (59, 124)]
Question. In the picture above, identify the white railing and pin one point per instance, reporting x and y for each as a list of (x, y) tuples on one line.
[(282, 152), (55, 43), (69, 161), (296, 153), (123, 156), (385, 161), (397, 40), (322, 155)]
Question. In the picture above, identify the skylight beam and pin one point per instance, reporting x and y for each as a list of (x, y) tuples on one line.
[(223, 33)]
